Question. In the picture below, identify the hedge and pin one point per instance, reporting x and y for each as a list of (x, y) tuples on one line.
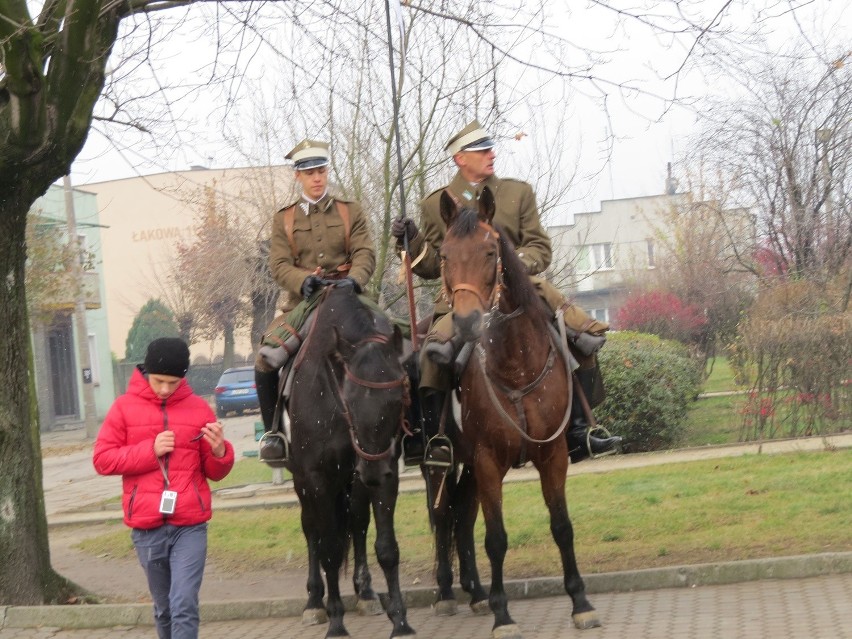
[(650, 383)]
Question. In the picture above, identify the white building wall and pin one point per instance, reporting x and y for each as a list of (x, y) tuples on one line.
[(145, 219)]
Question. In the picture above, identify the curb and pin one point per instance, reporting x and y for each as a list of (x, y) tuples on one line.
[(112, 615)]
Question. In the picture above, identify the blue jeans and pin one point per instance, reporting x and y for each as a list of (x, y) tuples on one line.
[(173, 560)]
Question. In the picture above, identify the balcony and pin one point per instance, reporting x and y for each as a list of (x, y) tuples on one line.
[(66, 300)]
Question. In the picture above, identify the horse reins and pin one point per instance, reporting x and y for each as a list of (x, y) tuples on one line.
[(394, 383), (515, 396)]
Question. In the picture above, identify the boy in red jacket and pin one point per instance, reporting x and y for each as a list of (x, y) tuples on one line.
[(165, 442)]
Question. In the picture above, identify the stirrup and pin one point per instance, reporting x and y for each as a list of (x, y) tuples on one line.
[(602, 429), (268, 438), (439, 452)]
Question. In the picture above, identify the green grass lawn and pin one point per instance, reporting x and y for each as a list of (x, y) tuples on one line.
[(247, 470), (713, 421), (687, 513), (721, 378)]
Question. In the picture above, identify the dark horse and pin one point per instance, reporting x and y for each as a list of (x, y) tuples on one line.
[(515, 397), (346, 407)]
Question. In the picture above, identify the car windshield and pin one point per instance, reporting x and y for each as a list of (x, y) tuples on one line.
[(235, 377)]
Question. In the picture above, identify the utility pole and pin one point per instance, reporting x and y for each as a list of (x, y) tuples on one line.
[(83, 354)]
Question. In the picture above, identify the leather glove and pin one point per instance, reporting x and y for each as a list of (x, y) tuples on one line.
[(589, 344), (311, 285), (403, 227), (348, 281)]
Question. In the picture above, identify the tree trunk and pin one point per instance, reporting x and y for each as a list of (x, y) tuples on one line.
[(26, 577)]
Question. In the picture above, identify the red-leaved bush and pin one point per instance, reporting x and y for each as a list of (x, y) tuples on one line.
[(663, 314)]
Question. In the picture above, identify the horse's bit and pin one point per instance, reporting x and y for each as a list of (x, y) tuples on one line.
[(347, 414)]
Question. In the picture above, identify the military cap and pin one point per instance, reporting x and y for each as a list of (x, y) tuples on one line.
[(471, 138), (308, 154)]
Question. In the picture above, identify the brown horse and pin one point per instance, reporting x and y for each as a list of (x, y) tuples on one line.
[(515, 398)]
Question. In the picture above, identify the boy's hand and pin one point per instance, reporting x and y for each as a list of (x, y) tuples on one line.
[(164, 443), (214, 435)]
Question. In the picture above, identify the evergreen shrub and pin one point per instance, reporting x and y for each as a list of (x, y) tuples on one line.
[(650, 384)]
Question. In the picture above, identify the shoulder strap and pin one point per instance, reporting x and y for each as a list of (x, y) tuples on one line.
[(343, 209), (289, 223)]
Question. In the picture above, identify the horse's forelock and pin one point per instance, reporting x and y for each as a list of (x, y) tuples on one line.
[(465, 222)]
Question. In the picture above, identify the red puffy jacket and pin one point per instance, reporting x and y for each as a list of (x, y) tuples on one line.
[(125, 446)]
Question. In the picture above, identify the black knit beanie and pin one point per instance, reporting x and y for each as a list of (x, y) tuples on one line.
[(167, 356)]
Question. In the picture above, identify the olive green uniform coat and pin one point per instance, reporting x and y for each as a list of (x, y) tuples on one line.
[(320, 238), (517, 216), (319, 235)]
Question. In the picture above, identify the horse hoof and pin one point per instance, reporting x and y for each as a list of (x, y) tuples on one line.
[(314, 617), (369, 607), (586, 620), (510, 631), (480, 607), (446, 608)]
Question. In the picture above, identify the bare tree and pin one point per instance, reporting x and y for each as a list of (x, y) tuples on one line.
[(53, 72), (783, 148)]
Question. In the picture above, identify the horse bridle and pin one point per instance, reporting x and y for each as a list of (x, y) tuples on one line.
[(394, 383), (493, 300), (514, 395)]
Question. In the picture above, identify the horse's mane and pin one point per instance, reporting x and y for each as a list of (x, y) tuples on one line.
[(519, 288)]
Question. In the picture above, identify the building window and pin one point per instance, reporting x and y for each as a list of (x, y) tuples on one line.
[(93, 358), (651, 263), (600, 314), (594, 257)]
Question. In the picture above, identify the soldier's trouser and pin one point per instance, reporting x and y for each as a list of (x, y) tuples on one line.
[(282, 328), (435, 377)]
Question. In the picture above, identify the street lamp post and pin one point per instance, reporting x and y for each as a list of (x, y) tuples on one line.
[(84, 356)]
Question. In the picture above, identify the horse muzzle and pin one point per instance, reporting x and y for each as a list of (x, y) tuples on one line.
[(468, 327), (375, 473)]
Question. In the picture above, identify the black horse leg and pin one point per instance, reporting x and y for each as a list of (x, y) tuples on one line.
[(440, 493), (368, 602), (387, 552), (490, 491), (332, 550), (466, 508), (553, 490), (314, 612)]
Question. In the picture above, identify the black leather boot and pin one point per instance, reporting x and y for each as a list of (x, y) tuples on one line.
[(581, 443), (267, 395), (272, 446), (439, 449)]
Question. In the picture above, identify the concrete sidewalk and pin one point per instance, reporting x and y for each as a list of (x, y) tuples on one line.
[(814, 608), (74, 493)]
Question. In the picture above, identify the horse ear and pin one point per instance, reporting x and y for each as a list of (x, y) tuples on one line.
[(487, 205), (449, 210)]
